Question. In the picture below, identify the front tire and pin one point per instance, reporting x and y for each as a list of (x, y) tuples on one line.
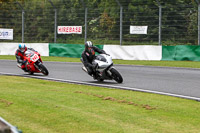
[(44, 69), (116, 75)]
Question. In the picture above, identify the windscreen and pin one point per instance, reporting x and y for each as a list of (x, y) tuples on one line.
[(29, 53), (101, 58)]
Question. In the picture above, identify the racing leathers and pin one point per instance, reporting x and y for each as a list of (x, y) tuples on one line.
[(88, 56), (20, 58)]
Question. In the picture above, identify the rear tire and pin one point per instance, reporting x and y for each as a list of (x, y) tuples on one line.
[(100, 80), (116, 75), (44, 69), (31, 73)]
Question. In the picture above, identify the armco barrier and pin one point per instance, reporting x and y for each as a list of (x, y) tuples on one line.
[(10, 48), (143, 52), (116, 51), (181, 53), (67, 50)]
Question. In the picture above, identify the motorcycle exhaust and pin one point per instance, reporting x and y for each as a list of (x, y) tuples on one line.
[(84, 69), (18, 65)]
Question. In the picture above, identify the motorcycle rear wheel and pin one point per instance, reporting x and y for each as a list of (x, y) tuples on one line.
[(116, 75), (44, 69), (31, 73), (100, 80)]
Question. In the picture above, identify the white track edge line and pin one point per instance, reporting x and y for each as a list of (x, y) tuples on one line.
[(100, 85), (118, 65)]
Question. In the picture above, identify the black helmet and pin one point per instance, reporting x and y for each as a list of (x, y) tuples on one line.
[(88, 44)]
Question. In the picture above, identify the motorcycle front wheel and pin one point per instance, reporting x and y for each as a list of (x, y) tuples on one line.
[(44, 69), (116, 75)]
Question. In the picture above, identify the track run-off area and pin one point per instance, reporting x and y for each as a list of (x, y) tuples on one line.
[(178, 82)]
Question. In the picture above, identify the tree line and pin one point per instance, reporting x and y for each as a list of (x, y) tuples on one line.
[(179, 20)]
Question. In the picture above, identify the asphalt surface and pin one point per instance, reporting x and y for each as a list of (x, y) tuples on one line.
[(181, 82)]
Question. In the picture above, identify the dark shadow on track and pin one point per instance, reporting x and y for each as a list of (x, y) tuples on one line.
[(104, 82), (38, 74)]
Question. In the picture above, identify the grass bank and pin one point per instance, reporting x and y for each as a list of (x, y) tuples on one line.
[(187, 64), (45, 106)]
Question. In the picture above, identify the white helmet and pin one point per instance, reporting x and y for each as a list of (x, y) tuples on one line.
[(88, 44), (22, 47)]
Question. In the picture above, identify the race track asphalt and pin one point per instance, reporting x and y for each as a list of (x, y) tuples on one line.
[(181, 82)]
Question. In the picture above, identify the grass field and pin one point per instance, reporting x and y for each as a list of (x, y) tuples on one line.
[(38, 106)]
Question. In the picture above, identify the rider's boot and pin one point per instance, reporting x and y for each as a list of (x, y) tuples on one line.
[(94, 76), (25, 69)]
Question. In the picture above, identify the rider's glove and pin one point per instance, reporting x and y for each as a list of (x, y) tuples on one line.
[(24, 62)]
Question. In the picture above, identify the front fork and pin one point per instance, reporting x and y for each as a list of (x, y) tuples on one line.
[(107, 73), (37, 64), (110, 74)]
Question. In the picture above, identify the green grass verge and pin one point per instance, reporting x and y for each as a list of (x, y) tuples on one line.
[(44, 58), (38, 106), (187, 64)]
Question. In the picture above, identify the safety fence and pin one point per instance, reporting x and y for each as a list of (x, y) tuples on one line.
[(104, 22), (139, 52)]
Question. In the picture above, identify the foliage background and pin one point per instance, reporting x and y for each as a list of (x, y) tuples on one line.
[(179, 20)]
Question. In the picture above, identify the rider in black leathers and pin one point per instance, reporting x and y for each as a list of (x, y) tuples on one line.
[(88, 56)]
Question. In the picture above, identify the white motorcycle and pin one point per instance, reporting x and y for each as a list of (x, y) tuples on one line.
[(104, 69)]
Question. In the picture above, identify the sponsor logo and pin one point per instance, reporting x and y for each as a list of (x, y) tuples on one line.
[(69, 29), (6, 34)]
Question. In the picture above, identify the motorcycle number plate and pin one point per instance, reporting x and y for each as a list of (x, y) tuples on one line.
[(35, 58)]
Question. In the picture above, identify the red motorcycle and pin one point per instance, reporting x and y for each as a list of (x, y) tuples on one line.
[(34, 63)]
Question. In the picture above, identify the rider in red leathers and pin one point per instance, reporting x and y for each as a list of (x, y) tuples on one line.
[(20, 56)]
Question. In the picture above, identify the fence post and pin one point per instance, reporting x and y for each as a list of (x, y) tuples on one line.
[(121, 19), (197, 1), (55, 21), (198, 23), (55, 26), (22, 20), (86, 15), (23, 26), (160, 24)]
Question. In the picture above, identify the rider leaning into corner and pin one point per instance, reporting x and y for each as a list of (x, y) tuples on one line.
[(88, 56), (20, 56)]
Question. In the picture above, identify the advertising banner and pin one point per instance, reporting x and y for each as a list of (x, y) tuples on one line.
[(69, 29), (138, 29), (6, 34)]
